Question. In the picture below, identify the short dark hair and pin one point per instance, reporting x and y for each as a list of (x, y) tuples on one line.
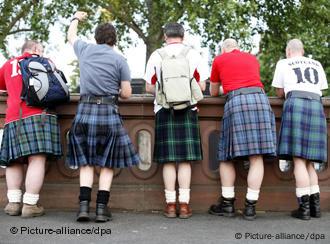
[(105, 34), (174, 30), (30, 45)]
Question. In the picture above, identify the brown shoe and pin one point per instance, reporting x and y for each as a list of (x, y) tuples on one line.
[(13, 208), (170, 210), (29, 211), (185, 211)]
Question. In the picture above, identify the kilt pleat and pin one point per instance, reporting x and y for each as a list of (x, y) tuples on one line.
[(303, 130), (37, 134), (248, 128), (177, 136), (97, 137)]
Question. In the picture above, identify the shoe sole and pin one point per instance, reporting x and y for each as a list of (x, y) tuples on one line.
[(172, 215), (102, 219), (303, 218), (13, 213), (83, 217), (250, 218), (316, 216), (32, 215), (185, 216), (222, 214)]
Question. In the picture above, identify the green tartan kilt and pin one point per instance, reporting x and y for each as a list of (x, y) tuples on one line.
[(177, 136), (38, 134)]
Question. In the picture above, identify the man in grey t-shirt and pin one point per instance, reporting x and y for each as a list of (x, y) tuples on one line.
[(97, 136)]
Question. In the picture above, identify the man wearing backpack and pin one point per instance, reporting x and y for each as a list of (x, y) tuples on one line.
[(172, 74), (248, 126), (29, 137)]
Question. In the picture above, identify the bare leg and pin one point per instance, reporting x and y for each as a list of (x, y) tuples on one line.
[(313, 178), (184, 175), (169, 176), (105, 180), (301, 173), (256, 172), (86, 176), (227, 174), (35, 173), (14, 176)]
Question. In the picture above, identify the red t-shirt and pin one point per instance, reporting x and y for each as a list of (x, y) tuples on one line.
[(11, 80), (235, 70)]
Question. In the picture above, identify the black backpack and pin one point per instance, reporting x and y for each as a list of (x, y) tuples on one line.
[(43, 85)]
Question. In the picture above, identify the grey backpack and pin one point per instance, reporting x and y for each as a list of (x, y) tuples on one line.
[(173, 90)]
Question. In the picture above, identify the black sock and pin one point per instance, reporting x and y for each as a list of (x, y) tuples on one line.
[(85, 193), (103, 197)]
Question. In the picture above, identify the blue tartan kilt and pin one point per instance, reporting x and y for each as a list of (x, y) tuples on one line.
[(97, 138), (248, 128), (37, 134), (303, 130)]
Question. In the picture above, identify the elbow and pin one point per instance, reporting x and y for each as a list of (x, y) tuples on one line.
[(127, 93)]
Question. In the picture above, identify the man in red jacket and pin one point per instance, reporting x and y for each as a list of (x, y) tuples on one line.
[(27, 138)]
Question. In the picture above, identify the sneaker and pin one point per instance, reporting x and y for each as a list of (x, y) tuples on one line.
[(13, 208), (29, 211)]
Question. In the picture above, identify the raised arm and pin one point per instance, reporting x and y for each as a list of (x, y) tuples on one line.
[(73, 28)]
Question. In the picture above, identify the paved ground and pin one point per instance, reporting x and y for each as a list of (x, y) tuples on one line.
[(128, 227)]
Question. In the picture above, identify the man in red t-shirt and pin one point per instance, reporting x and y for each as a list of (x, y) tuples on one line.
[(248, 125), (28, 137)]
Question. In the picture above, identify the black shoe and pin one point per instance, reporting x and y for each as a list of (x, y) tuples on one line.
[(83, 214), (249, 212), (225, 207), (303, 212), (103, 213), (314, 202)]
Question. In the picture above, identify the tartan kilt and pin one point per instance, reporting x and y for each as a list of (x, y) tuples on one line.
[(97, 138), (303, 130), (38, 134), (248, 128), (177, 136)]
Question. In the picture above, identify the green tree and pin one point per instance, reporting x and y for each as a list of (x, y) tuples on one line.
[(31, 17)]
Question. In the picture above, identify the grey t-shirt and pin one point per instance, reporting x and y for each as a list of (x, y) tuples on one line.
[(101, 68)]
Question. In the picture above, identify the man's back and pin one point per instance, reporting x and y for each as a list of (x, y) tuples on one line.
[(101, 68), (235, 70)]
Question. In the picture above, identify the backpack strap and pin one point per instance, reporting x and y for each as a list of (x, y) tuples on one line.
[(185, 50), (162, 53)]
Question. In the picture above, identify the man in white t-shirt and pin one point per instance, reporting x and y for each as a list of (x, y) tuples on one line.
[(303, 134), (177, 137)]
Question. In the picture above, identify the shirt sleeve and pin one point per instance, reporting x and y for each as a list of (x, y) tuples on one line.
[(199, 65), (278, 79), (215, 76), (125, 73), (2, 78), (79, 46), (150, 75), (323, 79)]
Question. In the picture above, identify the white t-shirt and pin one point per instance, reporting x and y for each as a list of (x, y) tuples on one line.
[(300, 73), (198, 66)]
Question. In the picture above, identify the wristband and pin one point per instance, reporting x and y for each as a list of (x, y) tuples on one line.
[(75, 18)]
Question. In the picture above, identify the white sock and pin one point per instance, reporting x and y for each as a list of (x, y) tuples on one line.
[(30, 198), (303, 191), (184, 195), (170, 196), (14, 195), (252, 195), (314, 189), (227, 191)]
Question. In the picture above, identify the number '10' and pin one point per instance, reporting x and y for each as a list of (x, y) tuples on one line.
[(313, 79)]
